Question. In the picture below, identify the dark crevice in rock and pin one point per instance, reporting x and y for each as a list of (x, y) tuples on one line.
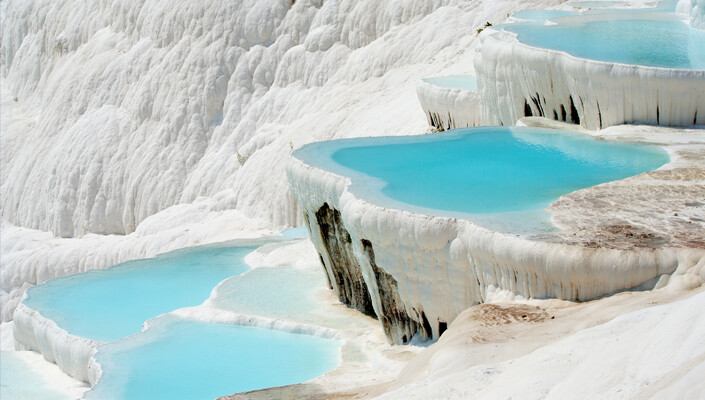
[(574, 117), (527, 109), (658, 116), (564, 115), (346, 271), (599, 115), (442, 327), (427, 332), (537, 103), (695, 118), (555, 115), (395, 320)]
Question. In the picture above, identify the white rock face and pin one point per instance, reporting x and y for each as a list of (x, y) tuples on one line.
[(516, 80), (72, 354), (447, 108), (134, 106), (695, 9)]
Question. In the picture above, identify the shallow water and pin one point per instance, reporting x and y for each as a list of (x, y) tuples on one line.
[(190, 360), (19, 382), (480, 173), (107, 305), (630, 39), (466, 82), (278, 292)]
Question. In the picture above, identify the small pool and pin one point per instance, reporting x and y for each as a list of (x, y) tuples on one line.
[(107, 305), (466, 82), (276, 292), (640, 38), (479, 173), (181, 359), (19, 382)]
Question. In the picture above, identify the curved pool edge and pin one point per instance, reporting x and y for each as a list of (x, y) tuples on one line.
[(75, 355), (72, 354), (419, 272), (516, 80)]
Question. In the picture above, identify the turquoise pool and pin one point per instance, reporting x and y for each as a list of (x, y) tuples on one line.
[(479, 173), (110, 304), (181, 359), (466, 82), (649, 39)]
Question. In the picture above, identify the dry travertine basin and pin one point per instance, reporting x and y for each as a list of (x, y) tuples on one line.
[(662, 208)]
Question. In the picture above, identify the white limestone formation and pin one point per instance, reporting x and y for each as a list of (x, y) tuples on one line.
[(72, 354), (134, 106), (421, 271), (695, 9), (448, 108), (516, 80)]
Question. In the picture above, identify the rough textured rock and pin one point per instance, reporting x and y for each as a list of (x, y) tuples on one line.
[(343, 270), (392, 313), (447, 108), (515, 80), (436, 267)]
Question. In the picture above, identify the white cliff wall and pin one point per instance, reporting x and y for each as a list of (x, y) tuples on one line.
[(516, 80), (136, 105), (695, 9), (447, 108), (438, 267)]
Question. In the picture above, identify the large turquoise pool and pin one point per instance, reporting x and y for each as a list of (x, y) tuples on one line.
[(181, 359), (650, 39), (107, 305), (479, 172)]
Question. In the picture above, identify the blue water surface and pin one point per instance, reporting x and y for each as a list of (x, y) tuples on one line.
[(649, 39), (466, 82), (190, 360), (275, 292), (107, 305), (479, 171)]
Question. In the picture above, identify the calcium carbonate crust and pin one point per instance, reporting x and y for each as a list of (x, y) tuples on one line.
[(134, 106), (516, 80), (695, 9), (441, 266), (447, 108), (72, 354)]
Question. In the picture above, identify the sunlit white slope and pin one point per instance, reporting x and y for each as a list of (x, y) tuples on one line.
[(657, 352), (140, 105)]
